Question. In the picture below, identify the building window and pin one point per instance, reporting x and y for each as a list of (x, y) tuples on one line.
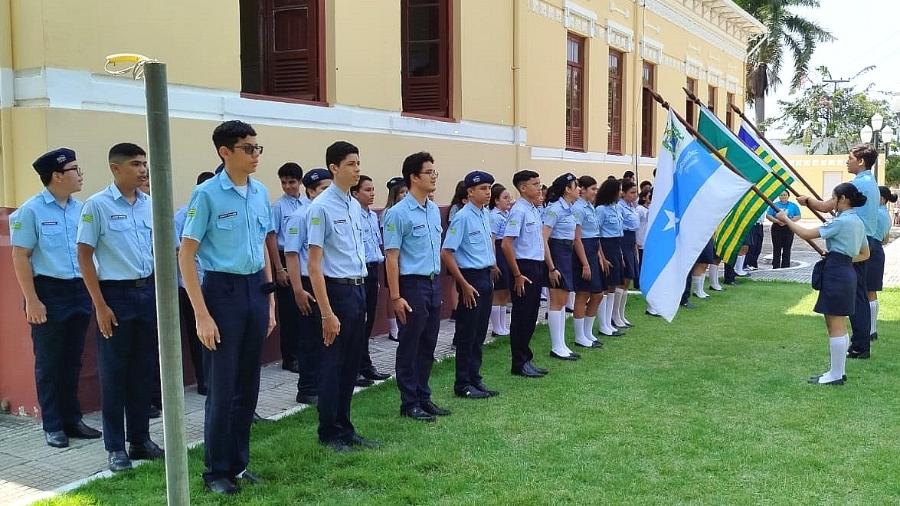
[(425, 46), (615, 87), (713, 97), (729, 114), (689, 104), (648, 107), (575, 93), (281, 48)]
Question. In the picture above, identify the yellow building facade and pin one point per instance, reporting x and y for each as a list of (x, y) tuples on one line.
[(504, 99)]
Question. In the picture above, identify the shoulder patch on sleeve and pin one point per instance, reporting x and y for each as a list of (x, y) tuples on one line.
[(390, 227), (315, 221), (87, 218), (17, 225), (192, 212), (293, 231)]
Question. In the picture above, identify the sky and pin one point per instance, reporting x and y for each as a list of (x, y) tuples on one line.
[(867, 32)]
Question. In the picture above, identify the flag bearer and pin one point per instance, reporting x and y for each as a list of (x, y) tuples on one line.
[(57, 306), (468, 253)]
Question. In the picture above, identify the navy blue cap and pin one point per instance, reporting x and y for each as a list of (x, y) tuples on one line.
[(564, 179), (313, 177), (395, 181), (477, 177), (53, 161)]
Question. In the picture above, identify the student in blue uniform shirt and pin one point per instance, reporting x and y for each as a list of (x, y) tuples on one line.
[(631, 222), (296, 252), (883, 232), (523, 247), (559, 246), (468, 253), (501, 202), (364, 193), (846, 242), (184, 303), (782, 237), (587, 271), (114, 235), (869, 273), (228, 219), (291, 176), (611, 231), (397, 190), (57, 306), (337, 270), (412, 244)]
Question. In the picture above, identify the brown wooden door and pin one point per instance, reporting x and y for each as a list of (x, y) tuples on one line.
[(425, 60)]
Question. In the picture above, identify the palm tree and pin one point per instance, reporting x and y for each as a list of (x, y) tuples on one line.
[(786, 31)]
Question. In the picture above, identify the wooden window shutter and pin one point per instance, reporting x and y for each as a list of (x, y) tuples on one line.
[(615, 101), (291, 29), (425, 59), (648, 106), (575, 93)]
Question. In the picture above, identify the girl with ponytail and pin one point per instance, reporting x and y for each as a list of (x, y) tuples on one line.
[(587, 268), (499, 205), (559, 242)]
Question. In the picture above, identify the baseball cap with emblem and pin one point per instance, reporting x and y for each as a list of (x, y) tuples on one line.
[(477, 177), (313, 177), (53, 161)]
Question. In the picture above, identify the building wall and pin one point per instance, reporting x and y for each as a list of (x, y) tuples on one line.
[(819, 169)]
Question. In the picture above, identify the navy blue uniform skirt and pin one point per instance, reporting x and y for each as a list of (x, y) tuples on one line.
[(561, 253), (595, 284), (875, 266), (708, 255), (612, 250), (629, 256), (503, 282), (836, 297)]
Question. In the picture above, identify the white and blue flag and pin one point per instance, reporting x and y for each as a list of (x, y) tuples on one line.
[(692, 192)]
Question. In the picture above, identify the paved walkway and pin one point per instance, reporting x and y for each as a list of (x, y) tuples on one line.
[(30, 470)]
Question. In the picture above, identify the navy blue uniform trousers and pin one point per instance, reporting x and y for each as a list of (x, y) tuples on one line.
[(860, 322), (418, 338), (339, 362), (288, 319), (372, 286), (524, 314), (125, 362), (754, 243), (241, 311), (471, 327), (309, 341), (58, 347)]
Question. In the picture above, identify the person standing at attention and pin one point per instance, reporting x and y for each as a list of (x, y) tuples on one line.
[(782, 237)]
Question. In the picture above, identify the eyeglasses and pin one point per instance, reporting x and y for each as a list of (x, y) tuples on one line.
[(76, 169), (432, 173), (250, 148)]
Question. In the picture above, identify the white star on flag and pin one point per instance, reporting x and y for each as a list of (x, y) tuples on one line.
[(673, 220)]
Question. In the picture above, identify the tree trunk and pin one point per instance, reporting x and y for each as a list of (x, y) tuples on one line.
[(759, 106)]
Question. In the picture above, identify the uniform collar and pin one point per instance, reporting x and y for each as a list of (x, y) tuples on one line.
[(412, 203), (226, 183), (116, 194), (333, 190), (49, 198), (471, 207), (867, 172)]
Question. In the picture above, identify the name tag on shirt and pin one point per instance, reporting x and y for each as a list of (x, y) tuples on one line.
[(119, 217), (227, 215), (49, 223)]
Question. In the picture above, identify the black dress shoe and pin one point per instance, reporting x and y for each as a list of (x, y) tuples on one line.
[(357, 440), (392, 337), (119, 461), (290, 365), (148, 450), (862, 355), (563, 357), (338, 446), (311, 400), (470, 392), (434, 410), (56, 439), (594, 344), (716, 289), (81, 431), (374, 375), (247, 477), (539, 370), (688, 305), (648, 313), (222, 486), (418, 414), (815, 381), (154, 412), (484, 388), (362, 381)]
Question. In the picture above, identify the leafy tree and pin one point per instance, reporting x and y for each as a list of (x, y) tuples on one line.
[(892, 171)]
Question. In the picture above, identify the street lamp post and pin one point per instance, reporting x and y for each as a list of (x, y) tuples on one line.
[(877, 133)]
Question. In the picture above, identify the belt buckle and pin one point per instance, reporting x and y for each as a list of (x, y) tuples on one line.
[(431, 276)]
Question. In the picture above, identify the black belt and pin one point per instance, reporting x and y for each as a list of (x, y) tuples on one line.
[(49, 279), (564, 242), (477, 271), (370, 265), (429, 277), (128, 283), (347, 281)]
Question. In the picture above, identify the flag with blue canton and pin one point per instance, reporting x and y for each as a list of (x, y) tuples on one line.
[(692, 192)]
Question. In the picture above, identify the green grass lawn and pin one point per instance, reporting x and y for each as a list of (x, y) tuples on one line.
[(713, 408)]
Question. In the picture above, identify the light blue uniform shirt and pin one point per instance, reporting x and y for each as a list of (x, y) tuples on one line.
[(120, 233), (416, 231), (230, 227), (498, 222), (586, 218), (560, 219), (48, 230), (180, 216), (884, 223), (371, 235), (524, 224), (844, 234), (791, 209), (296, 238), (282, 209), (610, 221), (868, 213), (630, 219), (469, 238), (334, 224)]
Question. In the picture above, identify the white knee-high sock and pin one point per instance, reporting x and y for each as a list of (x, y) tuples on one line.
[(697, 282), (616, 306), (588, 328), (580, 337), (622, 309), (714, 277), (505, 320), (392, 327), (873, 309), (557, 321), (570, 302), (739, 264), (604, 312), (838, 347), (495, 320)]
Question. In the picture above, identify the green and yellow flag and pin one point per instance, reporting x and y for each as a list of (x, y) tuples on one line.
[(757, 167)]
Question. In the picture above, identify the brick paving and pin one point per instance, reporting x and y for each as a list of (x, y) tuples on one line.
[(31, 470)]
